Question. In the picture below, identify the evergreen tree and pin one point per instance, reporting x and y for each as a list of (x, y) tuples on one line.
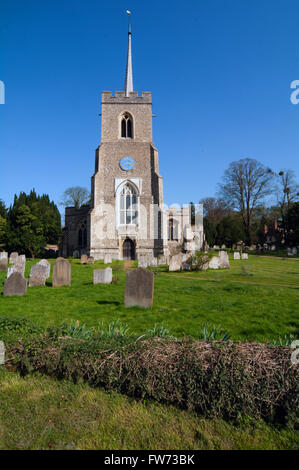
[(33, 221)]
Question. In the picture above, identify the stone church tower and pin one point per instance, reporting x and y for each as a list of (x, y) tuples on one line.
[(126, 184), (126, 218)]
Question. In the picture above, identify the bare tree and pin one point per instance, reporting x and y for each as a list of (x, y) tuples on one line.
[(76, 196), (287, 194), (246, 183)]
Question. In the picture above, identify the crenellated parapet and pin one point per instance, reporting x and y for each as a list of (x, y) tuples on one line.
[(120, 97)]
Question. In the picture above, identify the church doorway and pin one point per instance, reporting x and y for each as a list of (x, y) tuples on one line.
[(128, 249)]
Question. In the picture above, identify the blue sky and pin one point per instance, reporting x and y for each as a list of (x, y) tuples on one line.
[(219, 70)]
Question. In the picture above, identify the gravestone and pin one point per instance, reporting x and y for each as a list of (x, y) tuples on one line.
[(15, 284), (39, 273), (90, 260), (2, 353), (21, 259), (153, 262), (16, 268), (244, 255), (107, 259), (84, 259), (223, 260), (102, 276), (3, 260), (214, 262), (236, 255), (294, 250), (139, 288), (175, 263), (61, 273), (13, 257), (142, 262)]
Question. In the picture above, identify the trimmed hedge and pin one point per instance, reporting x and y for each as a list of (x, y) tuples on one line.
[(223, 379)]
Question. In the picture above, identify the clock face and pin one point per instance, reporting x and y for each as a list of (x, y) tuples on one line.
[(127, 163)]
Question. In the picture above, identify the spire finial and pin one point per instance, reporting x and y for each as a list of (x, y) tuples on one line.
[(129, 72)]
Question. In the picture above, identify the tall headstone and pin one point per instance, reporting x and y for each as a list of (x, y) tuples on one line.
[(3, 260), (102, 276), (61, 273), (13, 257), (84, 259), (39, 273), (236, 255), (223, 260), (139, 290), (15, 284)]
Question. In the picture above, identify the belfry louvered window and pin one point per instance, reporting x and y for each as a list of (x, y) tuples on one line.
[(128, 206), (127, 126)]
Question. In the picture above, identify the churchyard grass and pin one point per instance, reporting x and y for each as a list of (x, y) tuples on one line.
[(38, 412), (256, 303)]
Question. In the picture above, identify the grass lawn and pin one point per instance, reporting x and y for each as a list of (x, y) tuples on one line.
[(258, 305), (258, 302)]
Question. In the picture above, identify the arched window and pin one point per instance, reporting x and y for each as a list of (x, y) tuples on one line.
[(82, 236), (173, 229), (128, 205), (127, 126)]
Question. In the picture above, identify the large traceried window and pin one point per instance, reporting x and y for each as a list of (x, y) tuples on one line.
[(128, 205), (82, 235), (127, 126)]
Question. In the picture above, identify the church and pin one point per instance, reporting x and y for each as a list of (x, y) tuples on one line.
[(127, 217)]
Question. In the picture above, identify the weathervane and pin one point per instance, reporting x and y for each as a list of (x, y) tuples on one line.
[(129, 13)]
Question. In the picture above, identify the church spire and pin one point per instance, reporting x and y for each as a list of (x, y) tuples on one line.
[(129, 72)]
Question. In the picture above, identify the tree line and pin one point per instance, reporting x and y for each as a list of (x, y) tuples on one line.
[(251, 200)]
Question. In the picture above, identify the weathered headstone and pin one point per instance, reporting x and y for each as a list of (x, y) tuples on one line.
[(223, 260), (294, 250), (39, 273), (214, 262), (16, 268), (236, 255), (2, 353), (13, 257), (175, 263), (244, 255), (15, 284), (139, 289), (3, 260), (142, 262), (21, 259), (107, 259), (102, 276), (61, 273), (153, 262), (84, 259), (90, 260)]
